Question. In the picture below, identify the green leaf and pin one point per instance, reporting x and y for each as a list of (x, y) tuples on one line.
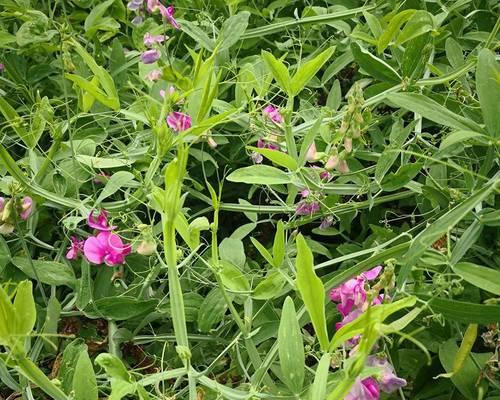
[(84, 380), (488, 89), (279, 245), (121, 308), (311, 289), (94, 18), (318, 388), (484, 278), (308, 70), (277, 157), (461, 311), (259, 175), (232, 29), (416, 56), (461, 137), (212, 310), (191, 29), (49, 272), (7, 315), (98, 94), (270, 287), (441, 226), (309, 140), (16, 123), (466, 379), (118, 181), (401, 177), (392, 29), (70, 357), (433, 111), (233, 278), (232, 250), (262, 250), (279, 72), (101, 162), (291, 348), (420, 23), (374, 66), (24, 307), (50, 326)]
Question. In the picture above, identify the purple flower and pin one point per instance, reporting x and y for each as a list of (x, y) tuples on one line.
[(326, 223), (101, 223), (179, 121), (273, 113), (307, 208), (388, 380), (107, 248), (168, 13), (366, 389), (153, 75), (150, 56), (273, 146), (151, 40), (26, 207), (134, 5), (257, 157), (137, 20), (75, 249)]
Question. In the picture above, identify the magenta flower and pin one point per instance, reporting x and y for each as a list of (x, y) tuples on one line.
[(106, 248), (179, 121), (151, 40), (366, 389), (325, 175), (168, 14), (101, 223), (273, 114), (153, 75), (388, 380), (150, 56), (75, 249), (26, 207)]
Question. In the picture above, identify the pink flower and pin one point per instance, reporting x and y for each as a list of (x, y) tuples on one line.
[(2, 67), (153, 75), (153, 5), (273, 146), (151, 40), (171, 91), (168, 14), (332, 163), (348, 144), (75, 248), (273, 114), (107, 248), (388, 380), (325, 175), (366, 389), (26, 207), (257, 157), (150, 56), (101, 223), (311, 153), (179, 121)]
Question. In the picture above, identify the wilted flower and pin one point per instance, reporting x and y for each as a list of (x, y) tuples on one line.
[(348, 144), (387, 379), (366, 389), (75, 249), (153, 75), (26, 208), (273, 114), (135, 5), (179, 121), (151, 40), (150, 56), (107, 248), (101, 223), (256, 157), (137, 20), (326, 223), (309, 205)]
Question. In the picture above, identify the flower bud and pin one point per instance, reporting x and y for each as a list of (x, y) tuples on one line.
[(146, 248)]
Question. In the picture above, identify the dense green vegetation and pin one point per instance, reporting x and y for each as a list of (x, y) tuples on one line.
[(249, 199)]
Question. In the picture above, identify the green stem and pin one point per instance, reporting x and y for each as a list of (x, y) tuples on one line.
[(54, 148), (112, 346), (289, 136)]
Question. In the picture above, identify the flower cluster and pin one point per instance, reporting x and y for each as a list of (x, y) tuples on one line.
[(179, 121), (10, 209), (352, 300), (105, 247), (140, 7)]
